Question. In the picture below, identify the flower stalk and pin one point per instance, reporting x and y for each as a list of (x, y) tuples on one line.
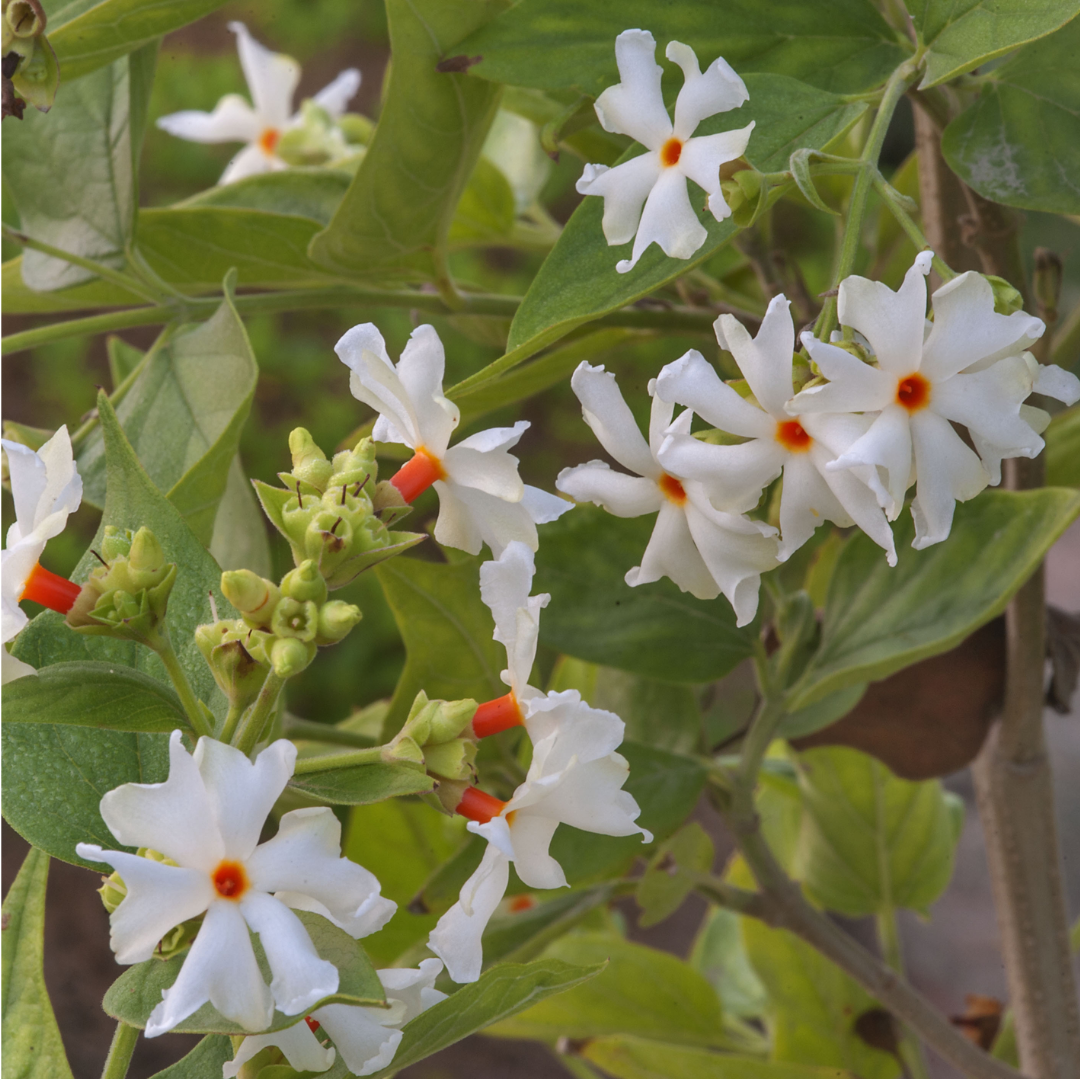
[(120, 1050)]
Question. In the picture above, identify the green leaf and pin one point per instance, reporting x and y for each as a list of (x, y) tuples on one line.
[(397, 212), (878, 619), (642, 990), (449, 649), (57, 775), (630, 1056), (813, 1005), (485, 213), (183, 416), (1018, 143), (112, 28), (822, 713), (962, 35), (94, 695), (720, 956), (206, 1059), (360, 784), (672, 873), (500, 993), (72, 172), (194, 247), (138, 991), (839, 45), (654, 630), (123, 359), (1063, 449), (577, 281), (313, 193), (32, 1043), (239, 540), (870, 841), (132, 500), (20, 299)]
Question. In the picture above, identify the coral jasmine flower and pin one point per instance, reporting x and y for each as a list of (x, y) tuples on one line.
[(366, 1038), (705, 551), (481, 497), (271, 79), (46, 488), (576, 778), (206, 818), (799, 446), (969, 369), (656, 180)]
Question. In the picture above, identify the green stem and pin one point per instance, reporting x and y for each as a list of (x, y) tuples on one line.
[(120, 1051), (251, 727), (327, 733), (107, 273), (860, 193), (888, 931), (192, 708), (232, 718), (907, 223), (368, 756)]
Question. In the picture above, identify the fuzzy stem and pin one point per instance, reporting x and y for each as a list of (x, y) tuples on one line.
[(192, 709), (251, 727), (295, 728), (232, 718), (368, 756), (120, 1051), (892, 952)]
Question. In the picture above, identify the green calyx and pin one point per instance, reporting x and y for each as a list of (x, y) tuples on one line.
[(253, 596), (238, 657), (37, 74), (329, 514), (128, 596), (1007, 299), (432, 739)]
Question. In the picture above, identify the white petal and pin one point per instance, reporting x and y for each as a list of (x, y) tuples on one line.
[(251, 161), (948, 471), (492, 471), (375, 382), (736, 550), (366, 1045), (853, 386), (542, 506), (12, 668), (668, 220), (619, 494), (301, 976), (158, 898), (336, 96), (734, 476), (304, 860), (271, 77), (661, 423), (233, 120), (765, 360), (624, 190), (692, 381), (718, 90), (534, 865), (18, 561), (967, 330), (672, 553), (504, 587), (702, 157), (635, 105), (893, 322), (584, 733), (887, 444), (45, 487), (806, 502), (1058, 383), (221, 969), (469, 518), (420, 370), (175, 817), (456, 938), (606, 412), (413, 987), (242, 792), (298, 1043)]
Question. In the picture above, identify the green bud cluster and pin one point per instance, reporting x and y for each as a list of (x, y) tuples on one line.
[(331, 511), (745, 193), (238, 657), (433, 739), (128, 595), (36, 74)]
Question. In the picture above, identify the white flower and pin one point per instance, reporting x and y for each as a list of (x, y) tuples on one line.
[(271, 79), (705, 551), (367, 1038), (800, 447), (657, 178), (481, 497), (575, 777), (206, 818), (46, 488), (969, 369)]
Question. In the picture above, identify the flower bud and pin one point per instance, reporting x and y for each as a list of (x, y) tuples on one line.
[(305, 583), (450, 793), (454, 760), (1007, 299), (289, 656), (23, 18), (253, 596), (356, 467), (431, 738), (309, 462), (112, 891), (237, 658), (295, 619), (336, 619), (1047, 281)]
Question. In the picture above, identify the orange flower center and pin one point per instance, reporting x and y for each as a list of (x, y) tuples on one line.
[(230, 880), (497, 715), (522, 903), (670, 152), (50, 590), (672, 489), (418, 474), (479, 806), (913, 392), (312, 1023), (268, 140), (791, 435)]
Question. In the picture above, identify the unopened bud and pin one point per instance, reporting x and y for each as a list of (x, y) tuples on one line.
[(112, 892), (1048, 273), (356, 467), (253, 596), (295, 619), (310, 464), (744, 192), (146, 554), (289, 656), (336, 619), (237, 657), (1007, 299), (305, 582), (453, 760)]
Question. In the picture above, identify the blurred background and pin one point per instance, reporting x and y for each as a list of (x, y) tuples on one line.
[(301, 382)]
